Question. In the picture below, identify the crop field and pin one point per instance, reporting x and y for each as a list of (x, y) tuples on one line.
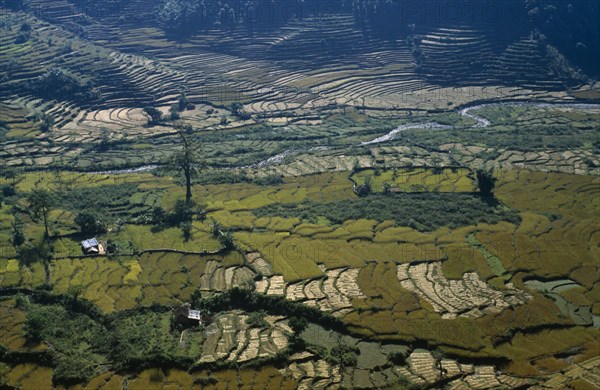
[(415, 208), (419, 180), (478, 289)]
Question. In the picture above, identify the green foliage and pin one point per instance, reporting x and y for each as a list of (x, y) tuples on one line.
[(85, 342), (106, 202), (486, 182), (174, 113), (387, 188), (60, 84), (30, 253), (397, 358), (18, 237), (206, 381), (187, 160), (344, 355), (186, 229), (155, 116), (423, 212), (237, 109), (183, 101), (238, 298), (298, 324), (178, 15), (75, 338), (365, 188), (226, 239), (256, 319), (90, 223), (40, 203), (46, 121)]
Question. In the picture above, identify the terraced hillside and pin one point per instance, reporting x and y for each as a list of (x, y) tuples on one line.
[(115, 62), (319, 200)]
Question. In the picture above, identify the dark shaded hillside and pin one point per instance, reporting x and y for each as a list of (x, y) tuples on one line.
[(479, 38), (573, 27)]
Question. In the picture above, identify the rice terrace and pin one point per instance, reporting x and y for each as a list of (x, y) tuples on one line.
[(299, 194)]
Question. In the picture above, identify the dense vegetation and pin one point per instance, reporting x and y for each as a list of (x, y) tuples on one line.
[(565, 25), (110, 201), (424, 212), (85, 343)]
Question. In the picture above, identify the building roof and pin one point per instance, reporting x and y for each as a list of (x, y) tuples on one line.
[(87, 244), (195, 315)]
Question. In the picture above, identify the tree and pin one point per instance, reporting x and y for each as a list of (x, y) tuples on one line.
[(187, 161), (237, 109), (46, 122), (174, 113), (11, 174), (387, 188), (89, 223), (186, 229), (18, 238), (365, 188), (40, 203), (183, 100), (486, 182), (154, 114)]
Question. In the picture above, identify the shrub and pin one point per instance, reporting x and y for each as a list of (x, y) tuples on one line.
[(256, 319), (421, 211), (90, 223), (60, 84), (174, 113), (155, 116), (186, 229)]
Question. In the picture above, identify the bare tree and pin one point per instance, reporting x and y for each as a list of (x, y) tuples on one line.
[(188, 161)]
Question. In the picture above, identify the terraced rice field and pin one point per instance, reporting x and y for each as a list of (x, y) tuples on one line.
[(160, 277), (230, 338), (494, 302)]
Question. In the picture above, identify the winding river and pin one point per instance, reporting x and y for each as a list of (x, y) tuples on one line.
[(466, 112), (480, 122)]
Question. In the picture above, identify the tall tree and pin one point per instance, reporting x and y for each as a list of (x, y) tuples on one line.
[(41, 202), (486, 182), (188, 161)]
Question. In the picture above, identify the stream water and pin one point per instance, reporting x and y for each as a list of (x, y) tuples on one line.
[(481, 122), (467, 112)]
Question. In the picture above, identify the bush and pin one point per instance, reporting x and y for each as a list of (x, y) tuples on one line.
[(206, 381), (60, 84), (397, 358), (256, 319), (174, 113), (422, 211), (343, 355), (90, 223), (186, 229), (365, 188), (155, 116)]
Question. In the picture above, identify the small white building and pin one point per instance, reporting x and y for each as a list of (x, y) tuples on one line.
[(92, 247)]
